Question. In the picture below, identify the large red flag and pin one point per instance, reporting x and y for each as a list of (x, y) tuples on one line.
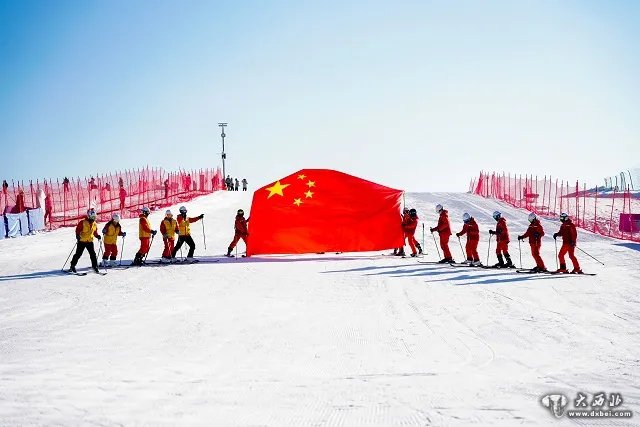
[(321, 210)]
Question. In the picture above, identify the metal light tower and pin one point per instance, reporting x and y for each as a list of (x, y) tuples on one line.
[(224, 155)]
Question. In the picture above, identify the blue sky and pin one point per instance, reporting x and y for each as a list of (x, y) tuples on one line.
[(415, 95)]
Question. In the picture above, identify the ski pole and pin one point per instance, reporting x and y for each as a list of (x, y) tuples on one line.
[(556, 243), (99, 253), (121, 250), (204, 237), (435, 243), (589, 255), (423, 236), (462, 250), (147, 254), (520, 252), (489, 248), (72, 249)]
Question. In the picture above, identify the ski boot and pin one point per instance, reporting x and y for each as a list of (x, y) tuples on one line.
[(562, 269), (509, 263), (476, 264), (419, 248), (576, 271), (229, 249), (72, 269), (500, 263), (137, 260), (413, 255)]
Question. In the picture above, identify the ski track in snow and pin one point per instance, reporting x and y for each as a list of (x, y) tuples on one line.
[(319, 340)]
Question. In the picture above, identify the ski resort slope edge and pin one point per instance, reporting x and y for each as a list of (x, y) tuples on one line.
[(322, 339)]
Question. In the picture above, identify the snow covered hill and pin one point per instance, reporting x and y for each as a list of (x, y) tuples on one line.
[(325, 340)]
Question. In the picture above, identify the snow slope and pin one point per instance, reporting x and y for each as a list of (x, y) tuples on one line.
[(324, 340)]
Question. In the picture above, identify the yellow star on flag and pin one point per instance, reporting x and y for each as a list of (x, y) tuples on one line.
[(311, 184), (297, 202), (301, 176), (276, 189), (309, 194)]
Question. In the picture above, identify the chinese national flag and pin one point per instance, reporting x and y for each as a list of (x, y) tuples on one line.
[(321, 210)]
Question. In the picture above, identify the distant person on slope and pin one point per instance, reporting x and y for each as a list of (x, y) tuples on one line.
[(502, 238), (144, 233), (471, 229), (228, 182), (535, 233), (569, 236), (168, 229), (244, 184), (86, 230), (184, 232), (123, 195), (409, 225), (237, 185), (111, 231), (241, 231), (444, 230)]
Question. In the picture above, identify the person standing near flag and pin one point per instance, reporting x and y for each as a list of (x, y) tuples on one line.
[(444, 230), (241, 231), (409, 225)]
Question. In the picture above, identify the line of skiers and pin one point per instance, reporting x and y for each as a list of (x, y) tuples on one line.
[(87, 230), (470, 228), (230, 185)]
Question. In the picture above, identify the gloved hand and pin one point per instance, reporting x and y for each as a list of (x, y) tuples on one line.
[(78, 237), (491, 232), (432, 229), (520, 238), (124, 234), (457, 234), (99, 237), (201, 216), (555, 236), (153, 232)]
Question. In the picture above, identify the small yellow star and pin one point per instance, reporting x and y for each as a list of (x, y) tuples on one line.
[(297, 202), (311, 184), (309, 194), (301, 176), (276, 189)]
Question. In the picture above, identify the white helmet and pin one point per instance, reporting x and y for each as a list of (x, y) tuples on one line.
[(466, 217), (145, 210), (496, 215), (439, 208), (168, 212), (532, 217), (115, 217), (564, 216), (183, 209)]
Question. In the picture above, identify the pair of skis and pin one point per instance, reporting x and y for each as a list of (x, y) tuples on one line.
[(554, 273)]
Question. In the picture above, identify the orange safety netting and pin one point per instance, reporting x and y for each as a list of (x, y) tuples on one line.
[(126, 192), (609, 211)]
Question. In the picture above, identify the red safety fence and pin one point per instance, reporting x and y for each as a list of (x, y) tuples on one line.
[(612, 212), (125, 193)]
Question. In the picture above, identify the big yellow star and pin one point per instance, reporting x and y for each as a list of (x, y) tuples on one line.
[(276, 189), (309, 194), (311, 184), (297, 202), (301, 176)]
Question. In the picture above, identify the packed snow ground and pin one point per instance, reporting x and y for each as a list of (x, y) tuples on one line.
[(323, 340)]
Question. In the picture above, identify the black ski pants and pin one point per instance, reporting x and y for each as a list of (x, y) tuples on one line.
[(189, 241), (80, 249)]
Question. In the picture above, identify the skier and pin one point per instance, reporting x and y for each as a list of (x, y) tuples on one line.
[(569, 238), (228, 182), (444, 230), (168, 229), (86, 230), (502, 238), (405, 216), (111, 231), (237, 184), (535, 233), (472, 231), (144, 233), (241, 231), (184, 232), (244, 184), (122, 193), (409, 225)]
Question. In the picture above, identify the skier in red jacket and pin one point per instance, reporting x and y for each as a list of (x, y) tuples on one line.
[(241, 231), (405, 215), (535, 233), (409, 225), (444, 230), (569, 238), (472, 231), (502, 238)]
